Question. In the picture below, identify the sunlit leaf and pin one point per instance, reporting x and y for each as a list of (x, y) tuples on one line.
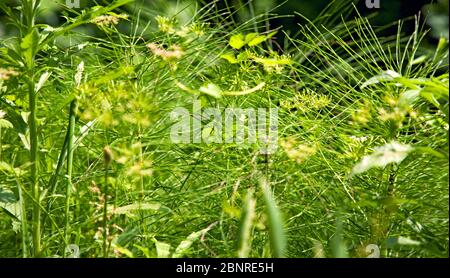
[(133, 207), (184, 246), (230, 58), (276, 230), (5, 124), (390, 153), (162, 249), (237, 41), (212, 90), (260, 38), (44, 77), (388, 75)]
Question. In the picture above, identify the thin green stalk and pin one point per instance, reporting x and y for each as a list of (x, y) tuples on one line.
[(72, 115), (246, 222), (107, 154), (29, 9), (34, 145), (54, 178), (62, 156), (1, 143), (24, 222), (105, 215)]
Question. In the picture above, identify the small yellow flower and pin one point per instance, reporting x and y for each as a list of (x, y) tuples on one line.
[(165, 24), (109, 20), (296, 151)]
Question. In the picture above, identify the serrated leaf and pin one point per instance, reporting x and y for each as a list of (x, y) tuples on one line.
[(29, 45), (237, 41)]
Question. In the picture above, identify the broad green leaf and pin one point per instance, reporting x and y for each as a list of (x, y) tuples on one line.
[(123, 250), (408, 98), (20, 126), (9, 204), (430, 97), (143, 249), (212, 90), (25, 138), (388, 75), (84, 130), (260, 38), (237, 41), (127, 236), (250, 36), (5, 124), (230, 58), (400, 240), (338, 246), (390, 153), (162, 249), (6, 196), (12, 209), (44, 77), (6, 168), (244, 55), (184, 246), (276, 231), (245, 227), (28, 45)]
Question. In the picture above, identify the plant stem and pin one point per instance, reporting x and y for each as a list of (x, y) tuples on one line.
[(71, 130), (34, 145), (54, 178), (105, 213), (24, 223)]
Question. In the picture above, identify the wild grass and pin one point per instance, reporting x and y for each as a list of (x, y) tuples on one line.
[(86, 156)]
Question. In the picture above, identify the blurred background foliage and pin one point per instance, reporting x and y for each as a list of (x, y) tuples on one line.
[(435, 12)]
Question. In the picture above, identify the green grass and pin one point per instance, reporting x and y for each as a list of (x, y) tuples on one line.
[(86, 156)]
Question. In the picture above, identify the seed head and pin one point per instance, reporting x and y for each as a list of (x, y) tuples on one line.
[(107, 155)]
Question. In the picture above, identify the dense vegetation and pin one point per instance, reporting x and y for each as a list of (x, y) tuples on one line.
[(87, 161)]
